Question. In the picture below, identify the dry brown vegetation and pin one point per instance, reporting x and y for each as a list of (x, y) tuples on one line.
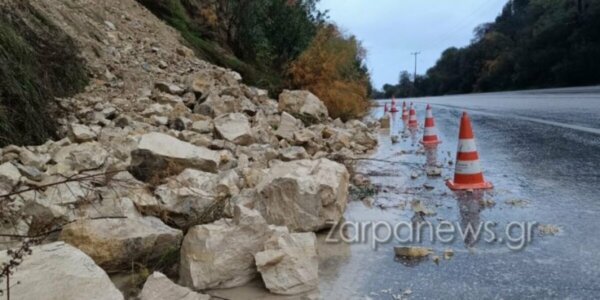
[(332, 68)]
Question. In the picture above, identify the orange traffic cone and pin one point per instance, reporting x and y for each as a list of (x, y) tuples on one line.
[(393, 108), (430, 136), (404, 111), (412, 120), (385, 108), (468, 174)]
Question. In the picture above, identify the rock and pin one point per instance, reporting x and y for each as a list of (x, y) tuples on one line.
[(289, 263), (487, 202), (384, 122), (9, 176), (235, 128), (169, 88), (74, 158), (361, 180), (293, 153), (412, 252), (110, 25), (31, 173), (114, 244), (159, 120), (216, 105), (60, 271), (221, 254), (547, 229), (201, 84), (418, 207), (414, 175), (203, 126), (159, 287), (517, 202), (157, 151), (303, 104), (433, 171), (448, 253), (31, 159), (164, 98), (184, 199), (304, 195), (304, 136), (288, 126), (80, 133), (395, 139), (368, 201)]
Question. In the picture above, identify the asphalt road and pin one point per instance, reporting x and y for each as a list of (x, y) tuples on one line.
[(541, 149)]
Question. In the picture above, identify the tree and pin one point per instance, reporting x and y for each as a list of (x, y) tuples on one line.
[(333, 68)]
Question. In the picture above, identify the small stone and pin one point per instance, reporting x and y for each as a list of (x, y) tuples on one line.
[(412, 252), (428, 186), (414, 175), (433, 171), (80, 133), (548, 229), (110, 25), (169, 88), (448, 253), (159, 120)]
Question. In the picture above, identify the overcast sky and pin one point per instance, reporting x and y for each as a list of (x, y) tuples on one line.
[(391, 29)]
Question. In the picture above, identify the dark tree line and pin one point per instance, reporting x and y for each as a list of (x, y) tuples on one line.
[(531, 44)]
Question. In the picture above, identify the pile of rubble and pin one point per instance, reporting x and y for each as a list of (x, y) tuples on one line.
[(164, 153)]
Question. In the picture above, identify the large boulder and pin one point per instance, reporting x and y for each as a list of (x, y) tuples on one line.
[(160, 287), (156, 153), (289, 264), (115, 243), (235, 128), (221, 254), (59, 271), (304, 105), (191, 197), (304, 195)]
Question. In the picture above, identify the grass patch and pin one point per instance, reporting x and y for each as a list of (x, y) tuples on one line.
[(38, 62)]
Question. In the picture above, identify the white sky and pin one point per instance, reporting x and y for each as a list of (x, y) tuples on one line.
[(391, 29)]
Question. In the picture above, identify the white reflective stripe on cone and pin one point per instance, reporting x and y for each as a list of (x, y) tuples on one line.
[(430, 131), (466, 145), (429, 114), (468, 167)]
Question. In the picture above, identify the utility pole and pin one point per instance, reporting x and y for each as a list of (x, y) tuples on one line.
[(415, 73)]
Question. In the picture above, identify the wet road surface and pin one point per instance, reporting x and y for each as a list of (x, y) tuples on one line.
[(541, 149)]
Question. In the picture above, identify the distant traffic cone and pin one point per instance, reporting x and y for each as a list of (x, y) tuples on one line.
[(468, 174), (385, 108), (393, 108), (404, 111), (412, 120), (430, 136)]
